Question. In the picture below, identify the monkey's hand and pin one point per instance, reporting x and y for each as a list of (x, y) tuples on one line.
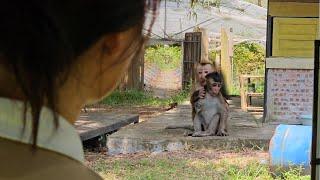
[(202, 93), (222, 132)]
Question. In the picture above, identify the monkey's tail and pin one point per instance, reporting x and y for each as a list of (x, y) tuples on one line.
[(189, 127), (225, 100)]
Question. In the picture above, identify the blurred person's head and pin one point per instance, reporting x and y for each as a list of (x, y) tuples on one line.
[(64, 54)]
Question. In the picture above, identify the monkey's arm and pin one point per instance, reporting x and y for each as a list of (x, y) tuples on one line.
[(194, 98), (223, 101)]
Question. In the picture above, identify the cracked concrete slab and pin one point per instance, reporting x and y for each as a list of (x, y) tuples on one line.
[(245, 129)]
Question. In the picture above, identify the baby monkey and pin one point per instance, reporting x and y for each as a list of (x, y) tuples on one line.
[(211, 113)]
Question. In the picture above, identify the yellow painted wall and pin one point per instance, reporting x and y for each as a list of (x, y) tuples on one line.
[(294, 37)]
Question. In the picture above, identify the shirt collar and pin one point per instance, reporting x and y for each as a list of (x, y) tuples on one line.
[(64, 140)]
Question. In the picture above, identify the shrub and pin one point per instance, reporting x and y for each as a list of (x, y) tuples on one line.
[(165, 57), (248, 58)]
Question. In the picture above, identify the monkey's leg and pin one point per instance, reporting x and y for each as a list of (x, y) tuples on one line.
[(213, 124), (197, 126), (223, 125), (211, 128)]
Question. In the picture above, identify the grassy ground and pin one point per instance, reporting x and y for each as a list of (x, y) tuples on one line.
[(202, 164), (135, 97)]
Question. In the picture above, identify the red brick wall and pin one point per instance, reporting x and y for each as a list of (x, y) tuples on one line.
[(289, 94)]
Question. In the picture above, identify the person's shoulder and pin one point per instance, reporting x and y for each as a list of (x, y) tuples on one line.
[(25, 163)]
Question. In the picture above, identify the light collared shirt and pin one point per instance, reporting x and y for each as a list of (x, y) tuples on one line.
[(64, 140)]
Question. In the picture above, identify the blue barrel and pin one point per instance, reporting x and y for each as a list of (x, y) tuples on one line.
[(291, 145)]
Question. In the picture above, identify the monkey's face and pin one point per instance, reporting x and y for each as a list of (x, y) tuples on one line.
[(214, 87), (202, 71)]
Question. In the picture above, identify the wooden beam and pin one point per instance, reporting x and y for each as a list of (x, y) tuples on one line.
[(204, 45), (226, 67), (293, 9), (269, 36), (289, 63)]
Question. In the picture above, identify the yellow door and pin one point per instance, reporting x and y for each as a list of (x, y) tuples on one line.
[(294, 37)]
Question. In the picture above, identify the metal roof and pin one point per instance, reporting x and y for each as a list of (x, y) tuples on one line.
[(247, 20)]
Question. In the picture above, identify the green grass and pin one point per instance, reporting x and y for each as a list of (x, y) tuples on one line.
[(259, 88), (165, 57), (140, 98), (190, 168)]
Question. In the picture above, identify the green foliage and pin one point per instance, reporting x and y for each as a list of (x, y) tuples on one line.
[(212, 56), (294, 173), (248, 59), (235, 91), (135, 97), (165, 57)]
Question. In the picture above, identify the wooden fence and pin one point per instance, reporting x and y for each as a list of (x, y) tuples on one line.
[(134, 77), (191, 55)]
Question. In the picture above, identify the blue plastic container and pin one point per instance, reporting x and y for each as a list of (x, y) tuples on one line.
[(291, 145)]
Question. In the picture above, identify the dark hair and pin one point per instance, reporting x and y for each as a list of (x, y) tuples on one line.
[(40, 39), (205, 63), (215, 76)]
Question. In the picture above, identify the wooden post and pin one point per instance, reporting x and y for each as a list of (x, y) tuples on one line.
[(226, 67), (259, 3), (217, 62), (243, 94), (133, 78), (204, 45)]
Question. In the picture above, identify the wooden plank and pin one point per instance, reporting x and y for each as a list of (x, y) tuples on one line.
[(293, 9), (293, 37), (289, 63), (204, 46), (269, 36), (191, 55), (226, 59), (254, 108), (252, 76), (94, 124), (254, 94)]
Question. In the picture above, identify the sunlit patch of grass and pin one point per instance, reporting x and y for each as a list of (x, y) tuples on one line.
[(135, 97), (232, 166)]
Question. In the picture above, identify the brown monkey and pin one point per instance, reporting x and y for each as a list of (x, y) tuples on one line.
[(199, 92), (201, 70), (211, 114)]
